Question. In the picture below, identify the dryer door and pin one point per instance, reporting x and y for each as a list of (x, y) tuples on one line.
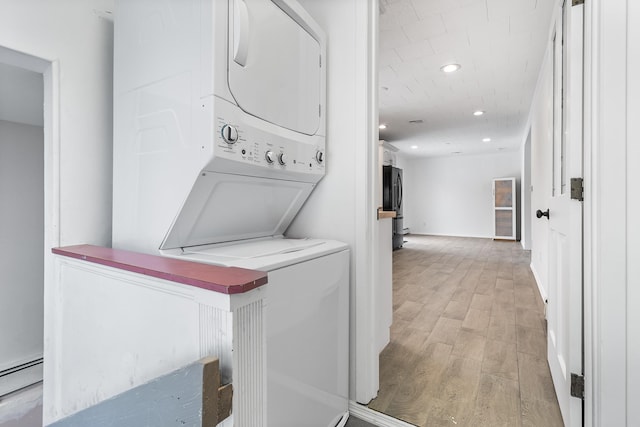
[(275, 70)]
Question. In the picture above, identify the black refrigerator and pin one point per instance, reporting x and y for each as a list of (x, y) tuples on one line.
[(392, 200)]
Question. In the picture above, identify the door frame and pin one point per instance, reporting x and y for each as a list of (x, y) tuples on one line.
[(526, 211), (51, 132), (611, 241), (364, 355)]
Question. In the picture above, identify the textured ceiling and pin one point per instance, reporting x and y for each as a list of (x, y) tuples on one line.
[(499, 44)]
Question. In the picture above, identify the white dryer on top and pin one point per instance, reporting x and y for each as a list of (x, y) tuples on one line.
[(219, 120)]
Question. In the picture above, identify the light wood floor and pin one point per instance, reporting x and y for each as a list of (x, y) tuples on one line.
[(468, 341)]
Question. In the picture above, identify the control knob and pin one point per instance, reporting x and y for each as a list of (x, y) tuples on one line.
[(269, 156), (229, 134), (320, 157), (282, 159)]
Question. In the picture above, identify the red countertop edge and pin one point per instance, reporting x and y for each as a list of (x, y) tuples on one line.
[(226, 280)]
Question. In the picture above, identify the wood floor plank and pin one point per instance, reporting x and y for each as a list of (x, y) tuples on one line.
[(426, 320), (482, 302), (487, 282), (397, 363), (408, 403), (531, 341), (408, 310), (524, 297), (505, 296), (501, 328), (529, 318), (470, 346), (500, 359), (477, 321), (445, 331), (456, 310), (536, 413), (463, 295), (417, 293), (458, 392), (498, 403), (535, 378), (502, 283)]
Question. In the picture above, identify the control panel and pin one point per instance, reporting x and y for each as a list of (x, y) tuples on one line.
[(240, 142)]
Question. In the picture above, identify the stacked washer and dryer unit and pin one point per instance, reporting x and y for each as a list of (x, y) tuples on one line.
[(219, 138)]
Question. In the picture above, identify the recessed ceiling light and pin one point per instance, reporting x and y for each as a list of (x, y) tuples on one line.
[(414, 147), (478, 113), (486, 139), (450, 68), (382, 126)]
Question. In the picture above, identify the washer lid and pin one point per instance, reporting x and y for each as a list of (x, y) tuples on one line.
[(275, 67), (224, 207)]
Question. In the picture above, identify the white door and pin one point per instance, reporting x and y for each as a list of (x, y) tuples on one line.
[(564, 310)]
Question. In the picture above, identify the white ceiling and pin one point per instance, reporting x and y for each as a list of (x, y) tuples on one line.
[(21, 95), (499, 44)]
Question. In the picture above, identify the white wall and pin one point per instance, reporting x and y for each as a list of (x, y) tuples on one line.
[(343, 205), (330, 210), (453, 195), (21, 242), (541, 119), (401, 161), (21, 95), (74, 34)]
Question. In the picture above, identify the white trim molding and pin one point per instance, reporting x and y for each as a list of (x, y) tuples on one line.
[(612, 344), (541, 290), (377, 418), (364, 355)]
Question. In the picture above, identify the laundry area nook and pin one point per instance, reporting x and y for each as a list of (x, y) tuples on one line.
[(219, 140)]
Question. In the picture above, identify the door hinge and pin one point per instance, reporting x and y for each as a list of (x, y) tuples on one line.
[(576, 2), (577, 189), (577, 386)]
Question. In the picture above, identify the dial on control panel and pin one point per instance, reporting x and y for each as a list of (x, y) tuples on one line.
[(229, 134), (282, 159), (269, 156)]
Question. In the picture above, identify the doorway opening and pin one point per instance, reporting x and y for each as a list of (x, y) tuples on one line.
[(26, 93)]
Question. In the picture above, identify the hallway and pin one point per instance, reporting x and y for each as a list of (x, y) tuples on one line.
[(468, 344)]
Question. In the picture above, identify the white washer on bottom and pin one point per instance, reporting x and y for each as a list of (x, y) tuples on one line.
[(307, 324)]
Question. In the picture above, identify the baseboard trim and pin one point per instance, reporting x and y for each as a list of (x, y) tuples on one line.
[(20, 377), (419, 233), (377, 418), (541, 291)]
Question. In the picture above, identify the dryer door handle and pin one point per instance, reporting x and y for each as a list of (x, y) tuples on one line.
[(240, 32)]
